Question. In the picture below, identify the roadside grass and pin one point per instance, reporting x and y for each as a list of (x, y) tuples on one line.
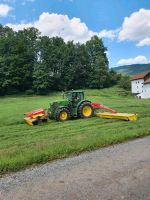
[(22, 145)]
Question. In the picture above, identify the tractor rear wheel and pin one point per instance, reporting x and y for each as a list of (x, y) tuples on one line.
[(62, 114), (85, 110)]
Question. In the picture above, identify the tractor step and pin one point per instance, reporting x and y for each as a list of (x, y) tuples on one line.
[(122, 116)]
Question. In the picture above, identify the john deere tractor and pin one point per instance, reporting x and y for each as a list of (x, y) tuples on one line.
[(74, 106)]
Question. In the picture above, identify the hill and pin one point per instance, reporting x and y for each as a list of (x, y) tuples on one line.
[(132, 69)]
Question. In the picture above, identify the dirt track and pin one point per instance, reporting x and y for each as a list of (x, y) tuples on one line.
[(114, 173)]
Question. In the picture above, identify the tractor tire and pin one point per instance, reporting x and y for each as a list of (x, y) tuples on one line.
[(62, 114), (85, 110)]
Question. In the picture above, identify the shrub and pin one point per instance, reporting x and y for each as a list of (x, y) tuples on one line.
[(29, 92)]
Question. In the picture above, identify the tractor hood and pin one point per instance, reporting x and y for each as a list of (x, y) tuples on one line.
[(59, 103)]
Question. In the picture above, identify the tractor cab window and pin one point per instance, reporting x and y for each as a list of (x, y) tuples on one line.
[(81, 95), (77, 96), (74, 96)]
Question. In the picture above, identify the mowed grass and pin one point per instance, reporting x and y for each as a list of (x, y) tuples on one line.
[(22, 145)]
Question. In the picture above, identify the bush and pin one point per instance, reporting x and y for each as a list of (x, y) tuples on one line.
[(12, 91), (29, 92)]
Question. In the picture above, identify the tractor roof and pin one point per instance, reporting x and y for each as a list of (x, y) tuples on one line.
[(75, 91)]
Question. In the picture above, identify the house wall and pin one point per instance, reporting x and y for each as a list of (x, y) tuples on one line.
[(137, 86), (146, 92)]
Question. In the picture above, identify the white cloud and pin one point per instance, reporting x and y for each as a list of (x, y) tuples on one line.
[(145, 42), (136, 60), (60, 25), (111, 34), (136, 28), (4, 10)]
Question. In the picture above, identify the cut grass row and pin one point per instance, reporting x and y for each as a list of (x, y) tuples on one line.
[(22, 145)]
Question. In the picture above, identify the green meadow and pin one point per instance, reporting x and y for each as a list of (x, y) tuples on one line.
[(22, 145)]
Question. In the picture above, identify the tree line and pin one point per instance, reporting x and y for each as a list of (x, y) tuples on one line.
[(38, 64)]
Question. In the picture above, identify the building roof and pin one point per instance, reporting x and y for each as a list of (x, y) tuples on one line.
[(147, 81), (139, 76)]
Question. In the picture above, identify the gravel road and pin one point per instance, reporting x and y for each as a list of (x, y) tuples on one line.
[(114, 173)]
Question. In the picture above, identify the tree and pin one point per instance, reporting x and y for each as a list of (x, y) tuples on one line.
[(41, 71), (17, 50), (7, 74), (26, 50), (81, 68), (98, 62), (113, 78), (125, 82), (49, 64)]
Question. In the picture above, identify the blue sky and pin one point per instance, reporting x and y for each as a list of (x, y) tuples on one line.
[(123, 25)]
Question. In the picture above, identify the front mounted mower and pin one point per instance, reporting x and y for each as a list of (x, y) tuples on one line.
[(36, 117)]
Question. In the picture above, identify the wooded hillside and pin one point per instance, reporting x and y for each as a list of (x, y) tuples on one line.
[(132, 69)]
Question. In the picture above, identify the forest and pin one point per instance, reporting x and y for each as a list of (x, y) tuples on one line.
[(34, 64)]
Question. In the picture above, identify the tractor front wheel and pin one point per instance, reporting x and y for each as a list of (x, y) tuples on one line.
[(62, 114), (85, 110)]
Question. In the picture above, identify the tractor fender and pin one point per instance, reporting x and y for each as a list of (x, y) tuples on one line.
[(78, 105)]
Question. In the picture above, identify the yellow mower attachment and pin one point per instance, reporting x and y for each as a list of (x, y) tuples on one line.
[(122, 116), (30, 121), (36, 116)]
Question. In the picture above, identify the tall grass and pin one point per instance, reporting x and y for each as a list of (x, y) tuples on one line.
[(22, 145)]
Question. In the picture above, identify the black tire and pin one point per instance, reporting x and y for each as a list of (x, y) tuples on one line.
[(59, 114), (83, 106)]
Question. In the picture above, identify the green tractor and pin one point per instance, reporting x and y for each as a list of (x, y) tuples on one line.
[(74, 106)]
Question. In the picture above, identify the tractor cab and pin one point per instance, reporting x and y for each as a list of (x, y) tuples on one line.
[(75, 96)]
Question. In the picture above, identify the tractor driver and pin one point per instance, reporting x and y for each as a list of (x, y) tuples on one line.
[(75, 97)]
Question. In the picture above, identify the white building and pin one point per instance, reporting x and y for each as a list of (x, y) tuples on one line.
[(140, 85)]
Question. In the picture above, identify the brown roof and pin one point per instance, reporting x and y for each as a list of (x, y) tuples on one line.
[(147, 81), (139, 76)]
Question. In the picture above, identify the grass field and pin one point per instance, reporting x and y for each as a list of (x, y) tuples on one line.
[(22, 145)]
